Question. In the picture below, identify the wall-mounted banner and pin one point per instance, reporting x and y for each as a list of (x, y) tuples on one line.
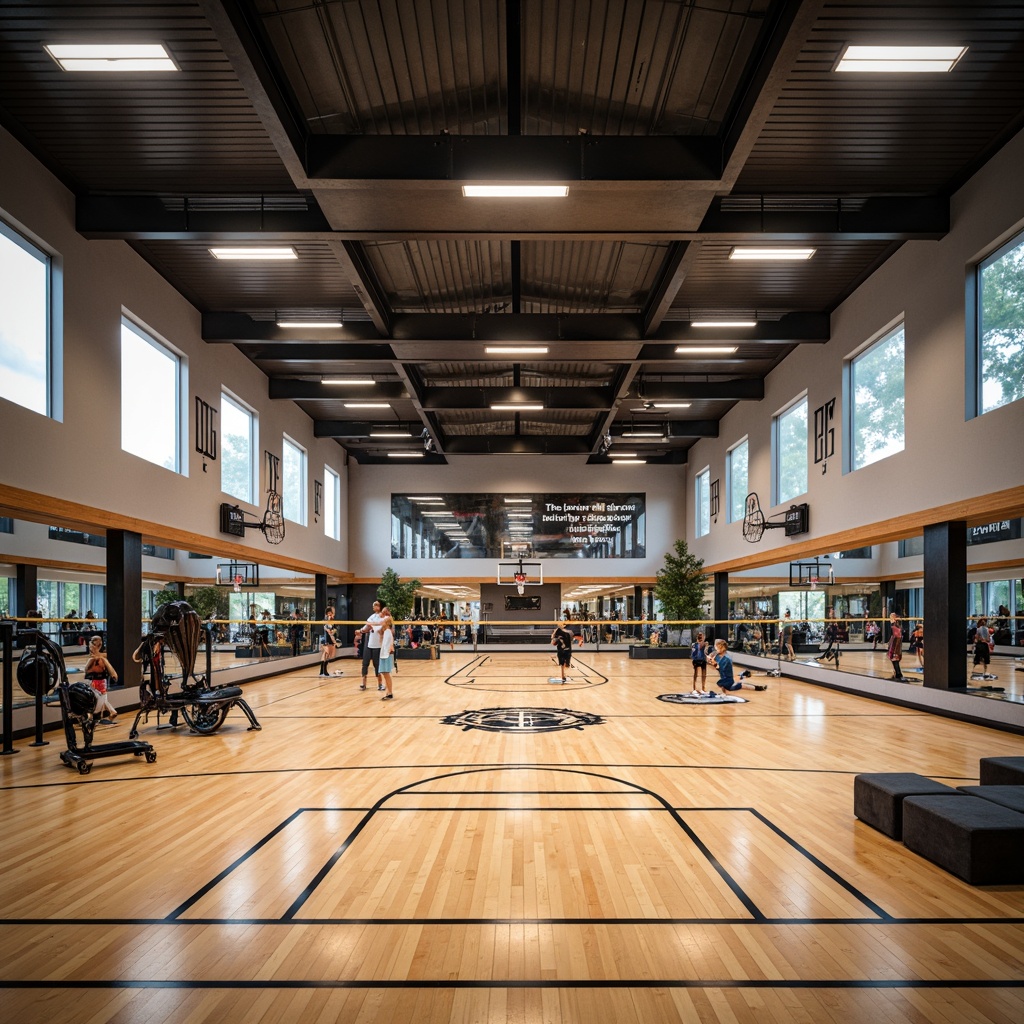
[(518, 525)]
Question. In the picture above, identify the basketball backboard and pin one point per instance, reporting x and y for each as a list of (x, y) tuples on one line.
[(520, 574)]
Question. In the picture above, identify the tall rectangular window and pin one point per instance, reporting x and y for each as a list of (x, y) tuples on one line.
[(789, 434), (332, 504), (737, 479), (293, 482), (876, 392), (1001, 326), (150, 398), (702, 498), (237, 448), (24, 322)]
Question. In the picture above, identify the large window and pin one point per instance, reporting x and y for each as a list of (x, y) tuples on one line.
[(876, 393), (1001, 327), (789, 434), (332, 504), (293, 476), (737, 479), (702, 501), (150, 398), (24, 322), (238, 448)]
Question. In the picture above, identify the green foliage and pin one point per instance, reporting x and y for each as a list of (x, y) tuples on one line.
[(679, 586), (878, 400), (1002, 329), (207, 600), (398, 596)]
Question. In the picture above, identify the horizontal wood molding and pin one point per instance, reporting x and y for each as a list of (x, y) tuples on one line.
[(46, 509)]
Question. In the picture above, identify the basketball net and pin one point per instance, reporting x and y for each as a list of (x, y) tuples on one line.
[(520, 580), (237, 584)]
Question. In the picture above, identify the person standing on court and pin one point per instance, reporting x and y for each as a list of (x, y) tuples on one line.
[(895, 650), (387, 653), (371, 645), (562, 639), (329, 647)]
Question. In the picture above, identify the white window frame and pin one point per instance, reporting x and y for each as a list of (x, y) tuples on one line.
[(132, 412), (702, 502), (778, 498), (228, 398), (730, 479), (850, 434), (332, 503), (51, 405), (300, 514)]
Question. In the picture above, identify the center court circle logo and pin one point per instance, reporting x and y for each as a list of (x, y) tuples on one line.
[(522, 720)]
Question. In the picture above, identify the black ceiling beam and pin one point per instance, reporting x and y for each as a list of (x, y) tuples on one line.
[(674, 268), (523, 444), (307, 352), (499, 158), (740, 390), (238, 328), (284, 387), (439, 399), (510, 328), (876, 218), (254, 218), (356, 267), (741, 219), (351, 429), (674, 428), (621, 382)]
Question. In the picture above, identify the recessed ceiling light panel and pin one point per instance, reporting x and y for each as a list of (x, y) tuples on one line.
[(255, 253), (515, 191), (741, 252), (898, 59), (723, 323), (705, 350), (516, 350), (111, 56)]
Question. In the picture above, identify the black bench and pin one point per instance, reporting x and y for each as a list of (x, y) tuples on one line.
[(1007, 796), (1002, 771), (976, 840), (878, 798)]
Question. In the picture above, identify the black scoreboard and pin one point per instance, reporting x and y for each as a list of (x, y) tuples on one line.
[(797, 519), (232, 520)]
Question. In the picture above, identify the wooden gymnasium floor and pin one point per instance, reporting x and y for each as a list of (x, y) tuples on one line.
[(587, 853)]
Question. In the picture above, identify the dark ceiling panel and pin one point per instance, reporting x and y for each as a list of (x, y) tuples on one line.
[(193, 130)]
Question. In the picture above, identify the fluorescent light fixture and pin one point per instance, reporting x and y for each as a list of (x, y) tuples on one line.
[(405, 455), (391, 433), (672, 405), (111, 56), (659, 434), (347, 380), (740, 252), (308, 325), (900, 58), (723, 323), (519, 515), (519, 191), (367, 405), (629, 462), (429, 497), (517, 406), (516, 350), (519, 501), (255, 253), (705, 350), (622, 455)]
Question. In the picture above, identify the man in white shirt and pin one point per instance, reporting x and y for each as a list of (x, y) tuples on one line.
[(371, 645)]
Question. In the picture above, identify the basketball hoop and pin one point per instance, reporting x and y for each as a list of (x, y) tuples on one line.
[(520, 582), (236, 584)]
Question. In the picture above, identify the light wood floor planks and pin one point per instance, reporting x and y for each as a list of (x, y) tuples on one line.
[(361, 860)]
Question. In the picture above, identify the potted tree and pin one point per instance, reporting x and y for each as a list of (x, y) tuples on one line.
[(399, 596), (679, 588)]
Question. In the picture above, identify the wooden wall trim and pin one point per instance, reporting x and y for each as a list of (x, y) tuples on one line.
[(986, 508), (46, 509)]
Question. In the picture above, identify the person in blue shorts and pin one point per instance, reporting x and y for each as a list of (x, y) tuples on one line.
[(699, 658), (721, 660)]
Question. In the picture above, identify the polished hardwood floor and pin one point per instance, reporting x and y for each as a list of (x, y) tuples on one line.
[(490, 846)]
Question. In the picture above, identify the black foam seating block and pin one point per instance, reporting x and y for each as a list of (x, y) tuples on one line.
[(1006, 796), (878, 798), (1002, 771), (976, 840)]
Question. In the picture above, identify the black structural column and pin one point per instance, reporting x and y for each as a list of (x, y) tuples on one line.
[(124, 602), (721, 607), (28, 579), (319, 595), (887, 592), (945, 605)]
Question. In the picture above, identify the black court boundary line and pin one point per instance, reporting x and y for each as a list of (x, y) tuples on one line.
[(528, 983), (412, 789), (78, 780)]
